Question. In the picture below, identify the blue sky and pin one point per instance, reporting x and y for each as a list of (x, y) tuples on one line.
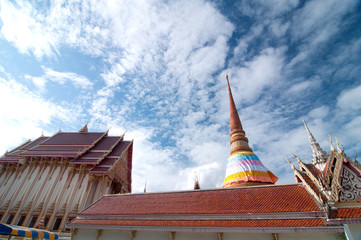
[(156, 69)]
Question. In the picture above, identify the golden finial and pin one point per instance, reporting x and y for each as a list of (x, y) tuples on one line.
[(338, 147), (227, 76), (332, 148), (196, 181), (293, 167), (298, 160)]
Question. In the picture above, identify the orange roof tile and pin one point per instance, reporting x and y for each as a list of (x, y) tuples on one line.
[(264, 199), (352, 212)]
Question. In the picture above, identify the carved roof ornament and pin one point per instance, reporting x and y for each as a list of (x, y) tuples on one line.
[(196, 182), (319, 155), (332, 148), (84, 129), (292, 166), (338, 146), (243, 166)]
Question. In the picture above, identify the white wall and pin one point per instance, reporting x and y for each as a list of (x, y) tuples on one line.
[(310, 236), (248, 236), (355, 230), (87, 234)]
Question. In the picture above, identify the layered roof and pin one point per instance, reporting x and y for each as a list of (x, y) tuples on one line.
[(81, 148), (243, 166), (285, 206)]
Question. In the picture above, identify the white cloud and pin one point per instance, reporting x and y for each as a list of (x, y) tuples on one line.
[(25, 29), (350, 99), (60, 78), (257, 74), (305, 86), (152, 164), (318, 20), (23, 114), (264, 8), (319, 113)]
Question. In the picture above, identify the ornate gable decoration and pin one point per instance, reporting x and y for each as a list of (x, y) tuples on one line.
[(351, 186), (339, 182)]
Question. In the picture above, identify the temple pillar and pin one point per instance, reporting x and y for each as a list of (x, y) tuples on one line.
[(58, 199), (70, 203), (132, 234), (49, 195)]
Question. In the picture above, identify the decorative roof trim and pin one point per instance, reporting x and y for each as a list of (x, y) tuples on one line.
[(204, 217), (212, 229), (343, 221)]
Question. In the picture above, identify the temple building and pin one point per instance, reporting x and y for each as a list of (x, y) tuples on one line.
[(324, 203), (46, 182)]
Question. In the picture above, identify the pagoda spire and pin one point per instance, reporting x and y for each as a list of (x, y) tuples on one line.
[(239, 141), (319, 155), (243, 166)]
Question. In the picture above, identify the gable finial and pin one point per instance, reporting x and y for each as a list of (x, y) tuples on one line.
[(292, 166), (196, 181), (298, 160), (84, 129), (332, 148), (338, 146)]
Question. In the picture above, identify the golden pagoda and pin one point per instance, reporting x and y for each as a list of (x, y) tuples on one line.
[(243, 166)]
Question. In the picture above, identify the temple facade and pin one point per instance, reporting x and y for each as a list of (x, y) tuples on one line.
[(324, 203), (46, 182)]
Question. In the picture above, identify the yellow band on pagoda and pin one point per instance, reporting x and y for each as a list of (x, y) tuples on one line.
[(242, 153)]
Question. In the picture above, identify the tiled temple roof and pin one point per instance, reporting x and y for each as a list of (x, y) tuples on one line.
[(266, 199), (272, 206), (90, 148)]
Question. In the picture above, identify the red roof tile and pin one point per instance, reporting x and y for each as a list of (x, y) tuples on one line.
[(313, 170), (74, 138), (119, 149), (351, 212), (265, 199), (35, 143), (106, 143), (54, 148)]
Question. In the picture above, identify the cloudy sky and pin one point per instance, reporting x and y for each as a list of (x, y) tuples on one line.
[(156, 70)]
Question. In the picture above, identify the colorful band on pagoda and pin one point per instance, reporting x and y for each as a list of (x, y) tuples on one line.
[(244, 167)]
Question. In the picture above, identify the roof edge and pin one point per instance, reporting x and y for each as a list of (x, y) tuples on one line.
[(214, 229)]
